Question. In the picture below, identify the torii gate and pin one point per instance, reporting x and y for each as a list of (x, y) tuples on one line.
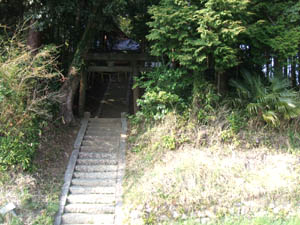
[(135, 65)]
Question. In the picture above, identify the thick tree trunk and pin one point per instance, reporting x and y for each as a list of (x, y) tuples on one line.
[(70, 86)]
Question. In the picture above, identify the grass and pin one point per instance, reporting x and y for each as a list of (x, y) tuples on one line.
[(246, 221), (36, 194), (182, 173)]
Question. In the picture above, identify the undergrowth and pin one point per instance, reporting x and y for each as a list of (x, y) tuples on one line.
[(27, 99), (36, 193), (182, 172), (216, 160)]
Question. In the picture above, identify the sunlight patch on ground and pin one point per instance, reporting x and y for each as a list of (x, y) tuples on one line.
[(215, 183)]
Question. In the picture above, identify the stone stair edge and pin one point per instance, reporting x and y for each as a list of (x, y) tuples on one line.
[(102, 186)]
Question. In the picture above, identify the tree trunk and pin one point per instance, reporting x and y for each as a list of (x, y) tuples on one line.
[(298, 67), (82, 92), (277, 67), (221, 83), (285, 68), (210, 66), (34, 38), (136, 90), (267, 63), (70, 86), (293, 72)]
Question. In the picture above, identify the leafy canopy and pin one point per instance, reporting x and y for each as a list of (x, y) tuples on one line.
[(189, 33)]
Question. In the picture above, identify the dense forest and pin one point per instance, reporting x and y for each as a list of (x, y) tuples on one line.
[(244, 54), (228, 82)]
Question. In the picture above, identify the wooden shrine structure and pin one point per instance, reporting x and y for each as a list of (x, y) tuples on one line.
[(112, 62)]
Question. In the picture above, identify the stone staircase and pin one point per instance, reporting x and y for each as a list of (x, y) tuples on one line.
[(93, 182)]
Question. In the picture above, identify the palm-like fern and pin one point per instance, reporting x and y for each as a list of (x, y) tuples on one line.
[(271, 102)]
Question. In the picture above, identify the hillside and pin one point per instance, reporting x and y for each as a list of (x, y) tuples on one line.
[(181, 173)]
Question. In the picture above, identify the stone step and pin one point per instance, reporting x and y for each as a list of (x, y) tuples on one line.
[(91, 198), (105, 141), (105, 149), (102, 138), (98, 162), (81, 218), (94, 182), (108, 129), (90, 208), (104, 120), (116, 133), (96, 168), (100, 126), (101, 144), (104, 129), (97, 155), (100, 133), (95, 175), (92, 190)]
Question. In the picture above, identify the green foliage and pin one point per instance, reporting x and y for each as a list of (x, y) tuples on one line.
[(24, 100), (169, 142), (135, 13), (14, 220), (272, 28), (207, 28), (17, 150), (294, 140), (165, 90), (175, 81), (205, 101), (167, 19), (219, 26), (47, 215), (272, 101), (155, 105), (237, 121)]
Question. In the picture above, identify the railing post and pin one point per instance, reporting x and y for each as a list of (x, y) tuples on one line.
[(82, 92)]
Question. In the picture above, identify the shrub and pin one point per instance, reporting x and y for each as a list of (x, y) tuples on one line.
[(271, 101), (25, 99), (155, 105), (205, 101), (236, 120), (165, 90)]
